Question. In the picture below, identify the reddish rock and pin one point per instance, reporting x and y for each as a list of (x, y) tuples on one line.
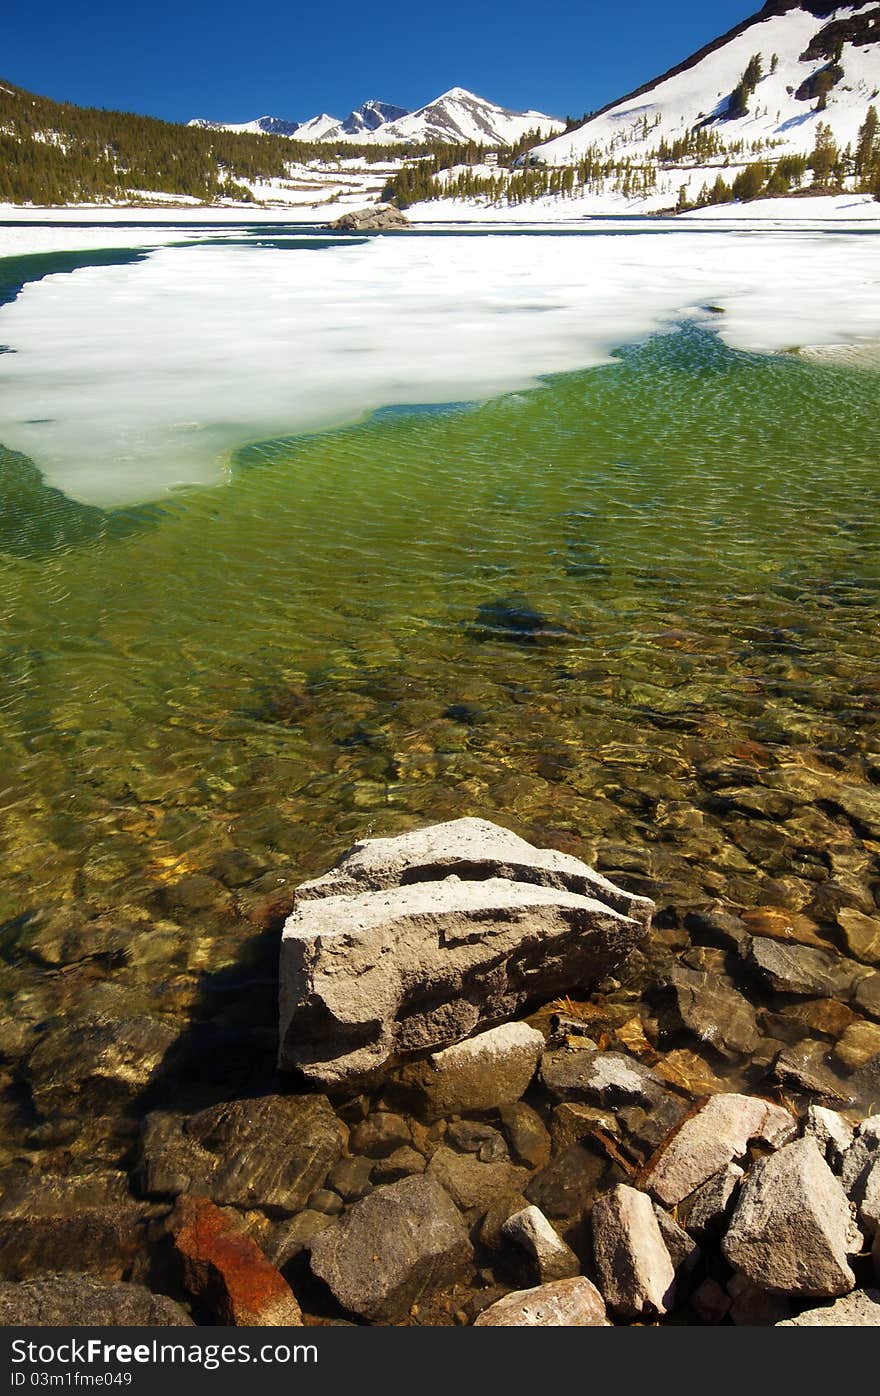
[(227, 1271)]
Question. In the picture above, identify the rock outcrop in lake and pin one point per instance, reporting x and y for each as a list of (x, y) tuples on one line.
[(370, 220), (415, 943)]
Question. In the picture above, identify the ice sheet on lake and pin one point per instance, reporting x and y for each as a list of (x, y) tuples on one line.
[(128, 381)]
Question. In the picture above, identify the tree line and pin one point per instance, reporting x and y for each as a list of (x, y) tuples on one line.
[(58, 153)]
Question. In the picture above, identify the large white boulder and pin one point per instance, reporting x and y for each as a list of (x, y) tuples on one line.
[(413, 944)]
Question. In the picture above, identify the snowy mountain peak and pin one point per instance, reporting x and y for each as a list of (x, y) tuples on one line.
[(458, 116), (370, 115)]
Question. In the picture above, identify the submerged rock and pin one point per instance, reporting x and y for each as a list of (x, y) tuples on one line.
[(98, 1065), (224, 1269), (599, 1078), (482, 1073), (574, 1303), (271, 1152), (526, 1133), (474, 1185), (412, 944), (70, 1300), (708, 1006), (791, 1230), (404, 1240), (85, 1222), (800, 969)]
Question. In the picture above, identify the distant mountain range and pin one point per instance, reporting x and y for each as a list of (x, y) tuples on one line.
[(455, 117)]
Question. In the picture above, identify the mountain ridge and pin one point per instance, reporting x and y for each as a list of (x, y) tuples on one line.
[(456, 116)]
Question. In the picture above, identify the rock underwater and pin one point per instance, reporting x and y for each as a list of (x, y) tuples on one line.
[(413, 943)]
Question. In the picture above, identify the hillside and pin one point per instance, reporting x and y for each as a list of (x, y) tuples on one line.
[(57, 153), (786, 102), (817, 63)]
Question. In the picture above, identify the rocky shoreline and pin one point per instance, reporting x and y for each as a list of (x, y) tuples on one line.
[(429, 1156)]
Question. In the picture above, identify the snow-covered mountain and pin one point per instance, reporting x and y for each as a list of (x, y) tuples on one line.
[(370, 116), (261, 125), (456, 116), (806, 48)]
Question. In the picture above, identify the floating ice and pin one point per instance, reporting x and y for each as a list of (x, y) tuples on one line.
[(129, 381)]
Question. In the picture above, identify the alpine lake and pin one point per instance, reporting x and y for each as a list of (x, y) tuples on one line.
[(630, 614)]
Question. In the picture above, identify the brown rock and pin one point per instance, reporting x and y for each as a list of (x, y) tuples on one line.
[(86, 1222), (857, 1045), (526, 1133), (227, 1271), (862, 935)]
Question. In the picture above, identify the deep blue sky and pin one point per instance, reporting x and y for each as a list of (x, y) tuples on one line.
[(235, 60)]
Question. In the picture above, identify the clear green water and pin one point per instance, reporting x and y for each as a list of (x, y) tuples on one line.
[(344, 638)]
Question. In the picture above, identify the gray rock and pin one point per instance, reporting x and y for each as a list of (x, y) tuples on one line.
[(706, 1210), (532, 1233), (408, 946), (869, 1206), (526, 1133), (484, 1072), (634, 1268), (71, 1300), (858, 1169), (711, 1009), (401, 1242), (717, 1134), (473, 1185), (370, 220), (273, 1152), (474, 1137), (294, 1237), (599, 1078), (790, 1230), (833, 1134), (867, 996), (574, 1303), (470, 849), (799, 969), (861, 1309)]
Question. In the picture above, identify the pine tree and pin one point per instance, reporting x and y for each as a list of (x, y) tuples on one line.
[(868, 146)]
